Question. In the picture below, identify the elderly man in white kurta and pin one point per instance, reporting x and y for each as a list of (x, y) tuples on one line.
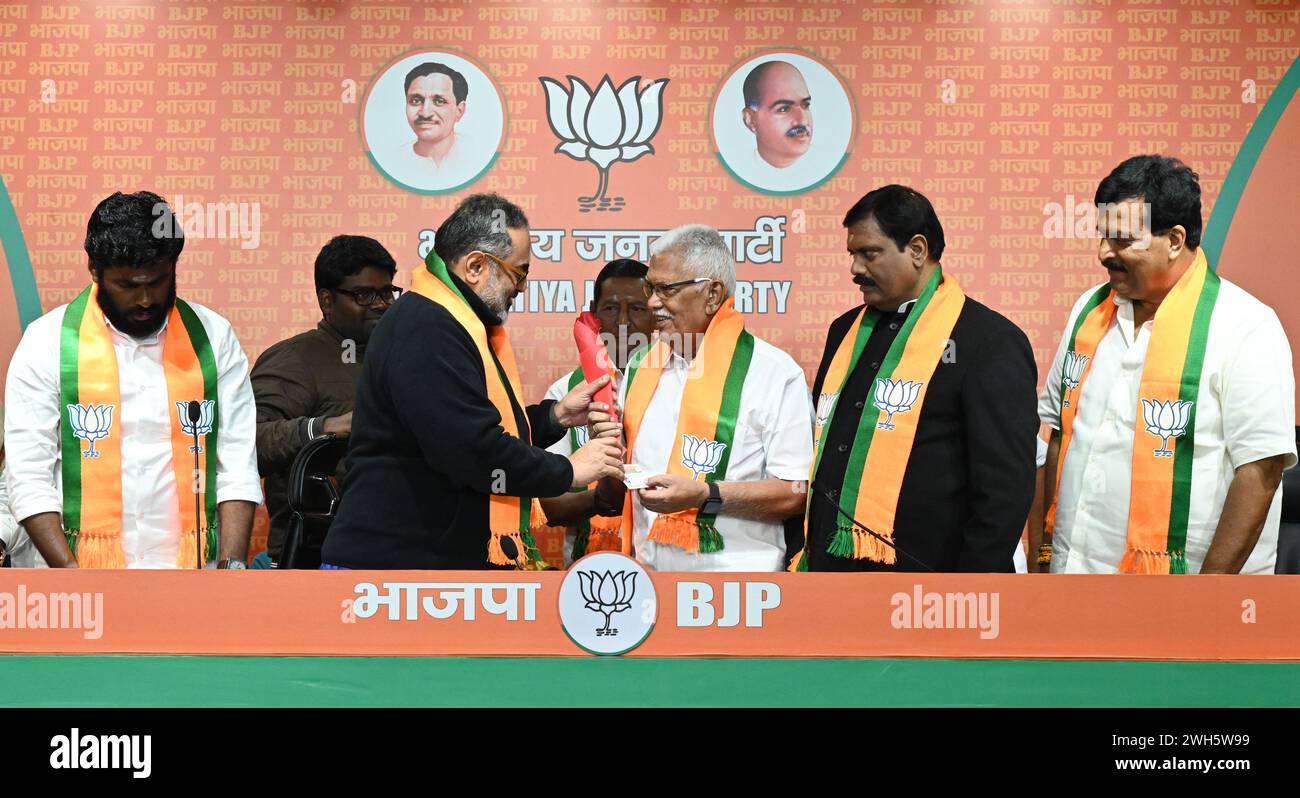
[(1172, 397), (100, 442), (718, 421)]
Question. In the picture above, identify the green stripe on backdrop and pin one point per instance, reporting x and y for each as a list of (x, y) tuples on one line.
[(138, 681), (1234, 185), (20, 262)]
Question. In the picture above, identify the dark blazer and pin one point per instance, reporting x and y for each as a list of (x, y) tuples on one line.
[(970, 479), (427, 447)]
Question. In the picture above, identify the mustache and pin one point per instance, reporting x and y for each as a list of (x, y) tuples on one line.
[(1114, 264), (799, 130), (420, 119), (864, 281)]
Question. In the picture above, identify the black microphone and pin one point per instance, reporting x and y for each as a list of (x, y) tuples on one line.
[(866, 529), (194, 410)]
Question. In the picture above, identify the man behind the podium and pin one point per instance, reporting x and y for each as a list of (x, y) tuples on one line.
[(445, 463)]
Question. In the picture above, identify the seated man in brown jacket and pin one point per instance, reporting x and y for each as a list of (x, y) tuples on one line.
[(304, 385)]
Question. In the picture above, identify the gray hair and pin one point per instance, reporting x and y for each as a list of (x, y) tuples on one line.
[(480, 222), (703, 250)]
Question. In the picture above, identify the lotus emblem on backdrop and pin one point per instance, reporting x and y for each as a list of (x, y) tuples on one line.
[(609, 593), (1072, 373), (90, 423), (607, 603), (895, 396), (701, 455), (206, 408), (604, 126), (1165, 420)]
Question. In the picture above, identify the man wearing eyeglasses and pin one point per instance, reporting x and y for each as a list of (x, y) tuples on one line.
[(718, 421), (445, 463), (304, 385), (619, 303)]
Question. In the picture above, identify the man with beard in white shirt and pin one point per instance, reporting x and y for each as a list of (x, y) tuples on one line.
[(109, 397)]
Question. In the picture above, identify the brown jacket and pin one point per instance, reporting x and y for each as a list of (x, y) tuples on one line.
[(298, 383)]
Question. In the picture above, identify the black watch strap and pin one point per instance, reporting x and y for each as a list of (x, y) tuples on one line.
[(712, 504)]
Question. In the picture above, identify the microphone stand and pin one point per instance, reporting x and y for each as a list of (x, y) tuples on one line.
[(194, 411), (866, 529)]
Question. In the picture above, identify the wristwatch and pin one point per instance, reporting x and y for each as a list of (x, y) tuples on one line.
[(232, 565), (712, 504)]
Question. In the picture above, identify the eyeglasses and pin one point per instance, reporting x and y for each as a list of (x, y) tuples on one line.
[(667, 290), (365, 297), (519, 273)]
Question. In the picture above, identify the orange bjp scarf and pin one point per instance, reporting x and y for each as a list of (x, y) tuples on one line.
[(511, 517), (882, 446), (1161, 488), (90, 401)]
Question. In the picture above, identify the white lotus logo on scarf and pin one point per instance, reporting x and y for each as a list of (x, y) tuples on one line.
[(90, 423), (1071, 373), (204, 425), (895, 396), (1166, 420), (701, 455), (607, 593), (581, 434), (825, 404), (604, 126)]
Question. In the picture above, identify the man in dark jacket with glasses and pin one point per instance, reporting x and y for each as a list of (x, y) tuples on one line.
[(304, 385)]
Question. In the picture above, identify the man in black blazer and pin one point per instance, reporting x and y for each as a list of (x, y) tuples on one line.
[(969, 479), (428, 449)]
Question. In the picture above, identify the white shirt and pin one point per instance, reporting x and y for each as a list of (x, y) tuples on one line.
[(424, 172), (564, 446), (22, 552), (150, 510), (773, 440), (1245, 412)]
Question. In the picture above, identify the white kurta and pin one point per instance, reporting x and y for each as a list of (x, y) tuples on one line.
[(564, 446), (773, 440), (150, 509), (1245, 412)]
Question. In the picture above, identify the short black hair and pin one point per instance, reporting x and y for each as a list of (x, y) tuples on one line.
[(623, 267), (480, 222), (132, 230), (459, 87), (345, 256), (750, 87), (902, 213), (1170, 186)]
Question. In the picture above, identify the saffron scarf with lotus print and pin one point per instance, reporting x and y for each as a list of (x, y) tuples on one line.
[(706, 423), (90, 401), (511, 517), (1161, 487), (882, 446)]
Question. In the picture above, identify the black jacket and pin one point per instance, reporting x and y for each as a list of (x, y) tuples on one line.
[(427, 447), (970, 479)]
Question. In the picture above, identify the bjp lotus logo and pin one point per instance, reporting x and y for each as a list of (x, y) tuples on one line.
[(825, 404), (90, 423), (1165, 420), (701, 455), (895, 396), (204, 425), (1072, 373), (604, 126), (608, 593)]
